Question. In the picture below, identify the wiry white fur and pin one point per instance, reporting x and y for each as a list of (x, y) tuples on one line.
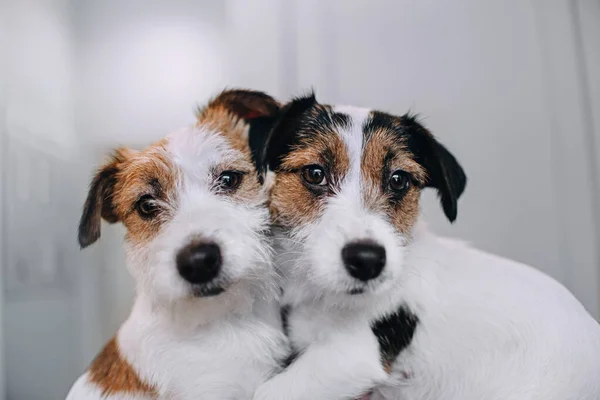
[(311, 257), (200, 212), (187, 347), (489, 328)]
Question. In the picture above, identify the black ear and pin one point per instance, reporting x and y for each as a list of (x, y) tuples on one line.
[(444, 172), (284, 133), (258, 135), (258, 109), (99, 201)]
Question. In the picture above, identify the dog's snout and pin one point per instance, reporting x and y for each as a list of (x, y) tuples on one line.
[(363, 260), (199, 263)]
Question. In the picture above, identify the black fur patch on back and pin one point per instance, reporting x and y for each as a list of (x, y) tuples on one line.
[(394, 333)]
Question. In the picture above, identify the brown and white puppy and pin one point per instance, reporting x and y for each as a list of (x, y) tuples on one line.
[(205, 323), (374, 301)]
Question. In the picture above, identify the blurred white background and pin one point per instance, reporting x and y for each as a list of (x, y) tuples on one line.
[(511, 86)]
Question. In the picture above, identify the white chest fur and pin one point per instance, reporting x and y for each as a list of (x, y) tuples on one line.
[(226, 359), (488, 328), (170, 356)]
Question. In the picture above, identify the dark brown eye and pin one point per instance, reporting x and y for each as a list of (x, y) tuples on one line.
[(314, 175), (147, 206), (230, 180), (399, 181)]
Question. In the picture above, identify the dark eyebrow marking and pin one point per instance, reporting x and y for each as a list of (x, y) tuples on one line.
[(379, 121), (156, 186), (341, 120), (323, 119)]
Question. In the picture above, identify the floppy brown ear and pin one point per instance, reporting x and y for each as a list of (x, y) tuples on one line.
[(99, 201), (242, 103), (257, 109)]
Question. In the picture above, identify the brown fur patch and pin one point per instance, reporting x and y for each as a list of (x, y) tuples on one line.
[(383, 154), (153, 172), (147, 172), (404, 214), (292, 203), (327, 150), (381, 144), (387, 366), (228, 115), (114, 375), (224, 122)]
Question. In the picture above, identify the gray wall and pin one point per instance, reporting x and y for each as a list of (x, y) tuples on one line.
[(3, 99), (41, 324)]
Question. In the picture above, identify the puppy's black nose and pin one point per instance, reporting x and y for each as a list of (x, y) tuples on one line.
[(363, 260), (199, 263)]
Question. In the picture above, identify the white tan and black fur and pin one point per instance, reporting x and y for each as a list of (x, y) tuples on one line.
[(375, 303), (205, 323)]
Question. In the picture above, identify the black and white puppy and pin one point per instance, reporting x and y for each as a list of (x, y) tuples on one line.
[(376, 302)]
